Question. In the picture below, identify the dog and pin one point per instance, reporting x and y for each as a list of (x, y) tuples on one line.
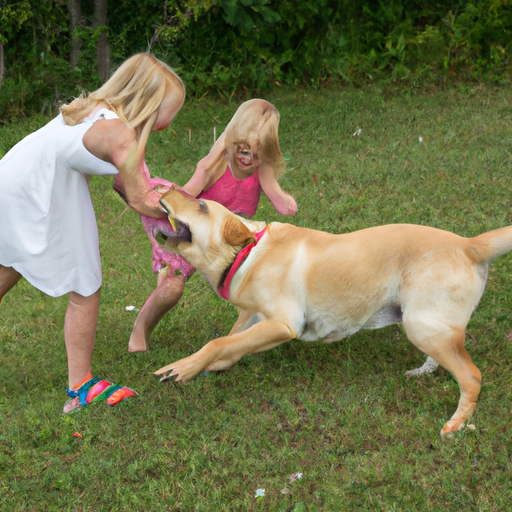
[(291, 283)]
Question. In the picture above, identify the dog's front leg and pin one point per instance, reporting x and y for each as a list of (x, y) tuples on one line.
[(222, 353), (246, 319)]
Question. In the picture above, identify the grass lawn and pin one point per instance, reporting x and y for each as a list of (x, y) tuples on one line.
[(363, 436)]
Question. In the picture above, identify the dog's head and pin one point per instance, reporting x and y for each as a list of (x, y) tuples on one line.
[(204, 232)]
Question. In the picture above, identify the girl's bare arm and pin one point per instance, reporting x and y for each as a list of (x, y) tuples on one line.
[(113, 141), (284, 203), (207, 167)]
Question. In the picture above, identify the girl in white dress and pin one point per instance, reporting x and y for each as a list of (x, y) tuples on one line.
[(48, 231)]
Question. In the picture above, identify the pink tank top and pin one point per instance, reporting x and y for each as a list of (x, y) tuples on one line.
[(239, 196)]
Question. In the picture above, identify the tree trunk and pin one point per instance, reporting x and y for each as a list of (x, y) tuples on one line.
[(75, 20), (2, 64), (103, 50)]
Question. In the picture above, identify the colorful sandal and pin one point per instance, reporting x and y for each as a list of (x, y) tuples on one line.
[(94, 390), (115, 393), (120, 394)]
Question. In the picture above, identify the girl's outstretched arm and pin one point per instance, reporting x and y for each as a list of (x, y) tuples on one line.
[(206, 173), (284, 203)]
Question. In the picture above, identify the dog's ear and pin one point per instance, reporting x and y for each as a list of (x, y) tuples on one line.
[(235, 232)]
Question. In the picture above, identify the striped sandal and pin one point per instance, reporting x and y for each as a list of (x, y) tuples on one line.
[(94, 390)]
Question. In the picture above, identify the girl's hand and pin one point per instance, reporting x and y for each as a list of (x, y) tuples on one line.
[(284, 203)]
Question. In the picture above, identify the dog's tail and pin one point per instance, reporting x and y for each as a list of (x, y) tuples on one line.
[(492, 244)]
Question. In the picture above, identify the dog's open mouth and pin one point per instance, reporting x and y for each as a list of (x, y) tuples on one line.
[(171, 235), (161, 239), (172, 231)]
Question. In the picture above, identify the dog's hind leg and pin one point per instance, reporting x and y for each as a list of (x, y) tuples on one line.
[(445, 344), (166, 295)]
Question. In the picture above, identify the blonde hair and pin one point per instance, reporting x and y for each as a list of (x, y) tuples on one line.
[(255, 124), (134, 92)]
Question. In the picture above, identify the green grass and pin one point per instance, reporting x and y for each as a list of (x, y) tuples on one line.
[(343, 414)]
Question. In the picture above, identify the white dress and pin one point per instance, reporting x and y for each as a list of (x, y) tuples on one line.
[(48, 230)]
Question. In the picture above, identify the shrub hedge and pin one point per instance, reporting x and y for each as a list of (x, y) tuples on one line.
[(246, 46)]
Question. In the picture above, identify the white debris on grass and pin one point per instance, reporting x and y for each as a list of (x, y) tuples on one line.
[(295, 476)]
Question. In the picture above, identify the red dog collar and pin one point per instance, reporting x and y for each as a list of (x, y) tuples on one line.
[(223, 289)]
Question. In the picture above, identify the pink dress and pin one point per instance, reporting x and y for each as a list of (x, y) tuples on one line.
[(239, 196)]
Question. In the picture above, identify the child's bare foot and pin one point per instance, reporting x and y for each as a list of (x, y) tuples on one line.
[(137, 341)]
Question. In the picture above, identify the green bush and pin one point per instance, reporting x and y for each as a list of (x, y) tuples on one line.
[(247, 46)]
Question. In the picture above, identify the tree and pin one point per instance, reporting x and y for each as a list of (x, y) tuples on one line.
[(103, 51), (75, 21), (99, 27), (12, 17)]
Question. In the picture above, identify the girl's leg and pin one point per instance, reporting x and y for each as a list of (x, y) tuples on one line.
[(79, 334), (167, 294), (8, 278)]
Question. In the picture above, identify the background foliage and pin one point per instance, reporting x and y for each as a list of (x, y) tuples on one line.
[(246, 46)]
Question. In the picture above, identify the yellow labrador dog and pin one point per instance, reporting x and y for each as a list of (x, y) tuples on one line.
[(290, 282)]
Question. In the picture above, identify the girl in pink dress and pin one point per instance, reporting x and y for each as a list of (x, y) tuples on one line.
[(245, 159)]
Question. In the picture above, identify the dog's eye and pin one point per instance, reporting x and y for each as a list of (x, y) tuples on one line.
[(203, 207)]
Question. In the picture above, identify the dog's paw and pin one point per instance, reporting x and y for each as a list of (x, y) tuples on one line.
[(171, 374), (167, 376), (452, 428), (180, 371), (428, 367)]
